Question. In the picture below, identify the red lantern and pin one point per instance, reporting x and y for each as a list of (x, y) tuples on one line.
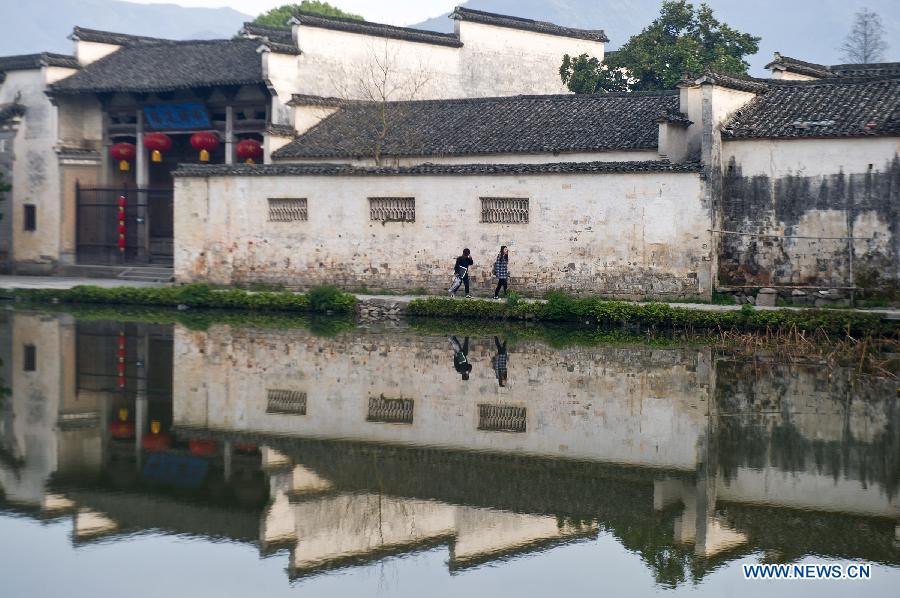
[(205, 142), (202, 448), (121, 430), (249, 150), (124, 153), (157, 143), (156, 442)]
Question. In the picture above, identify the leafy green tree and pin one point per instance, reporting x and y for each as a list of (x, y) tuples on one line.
[(279, 16), (683, 39)]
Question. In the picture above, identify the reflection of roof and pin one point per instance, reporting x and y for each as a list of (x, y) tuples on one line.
[(458, 563), (376, 29), (169, 66), (23, 62), (209, 170), (827, 108), (514, 124), (497, 20)]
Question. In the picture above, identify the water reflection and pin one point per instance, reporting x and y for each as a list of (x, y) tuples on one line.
[(346, 450)]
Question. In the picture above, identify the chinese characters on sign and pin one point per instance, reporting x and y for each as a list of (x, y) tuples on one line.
[(184, 115)]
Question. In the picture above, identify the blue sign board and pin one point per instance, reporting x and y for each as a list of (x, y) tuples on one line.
[(184, 115)]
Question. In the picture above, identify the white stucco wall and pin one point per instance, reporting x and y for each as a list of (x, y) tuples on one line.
[(810, 157), (88, 52), (503, 61), (493, 61), (35, 171), (621, 234)]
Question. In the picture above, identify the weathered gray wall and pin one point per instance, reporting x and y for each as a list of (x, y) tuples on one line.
[(854, 193)]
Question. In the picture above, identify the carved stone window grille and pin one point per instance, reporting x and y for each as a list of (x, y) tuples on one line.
[(501, 418), (504, 210), (392, 209), (288, 209), (287, 402), (390, 411)]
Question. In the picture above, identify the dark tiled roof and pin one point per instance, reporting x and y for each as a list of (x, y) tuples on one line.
[(738, 82), (302, 99), (281, 130), (801, 67), (674, 116), (874, 69), (822, 71), (489, 18), (515, 124), (281, 35), (169, 66), (10, 111), (35, 61), (376, 29), (110, 37), (210, 170), (279, 48), (833, 107)]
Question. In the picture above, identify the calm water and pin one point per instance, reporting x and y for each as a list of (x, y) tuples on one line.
[(154, 460)]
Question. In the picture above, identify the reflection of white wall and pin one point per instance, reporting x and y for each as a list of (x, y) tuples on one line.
[(629, 405)]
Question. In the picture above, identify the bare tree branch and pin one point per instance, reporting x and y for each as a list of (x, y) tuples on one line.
[(865, 42)]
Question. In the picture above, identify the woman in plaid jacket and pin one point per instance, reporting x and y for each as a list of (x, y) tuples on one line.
[(501, 271)]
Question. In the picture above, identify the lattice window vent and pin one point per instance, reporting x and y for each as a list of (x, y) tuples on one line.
[(390, 411), (287, 402), (501, 418), (392, 209), (288, 210), (504, 210)]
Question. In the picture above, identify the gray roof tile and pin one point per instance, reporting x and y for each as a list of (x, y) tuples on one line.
[(35, 61), (169, 66), (488, 18), (324, 169), (823, 71), (515, 124), (111, 37), (834, 107)]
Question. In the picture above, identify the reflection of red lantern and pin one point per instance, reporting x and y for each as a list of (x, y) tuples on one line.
[(156, 442), (121, 430), (201, 447), (249, 150), (157, 143), (205, 142), (124, 153)]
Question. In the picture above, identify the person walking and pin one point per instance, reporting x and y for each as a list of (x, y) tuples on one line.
[(461, 272), (501, 271)]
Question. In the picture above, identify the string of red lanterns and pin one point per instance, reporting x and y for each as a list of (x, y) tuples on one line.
[(121, 225)]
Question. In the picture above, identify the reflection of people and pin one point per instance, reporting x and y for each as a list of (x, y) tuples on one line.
[(501, 361), (461, 357)]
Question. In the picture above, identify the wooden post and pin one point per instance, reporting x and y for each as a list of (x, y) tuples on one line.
[(229, 134), (140, 159)]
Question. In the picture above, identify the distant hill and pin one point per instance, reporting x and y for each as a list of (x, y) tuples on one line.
[(42, 25), (812, 30)]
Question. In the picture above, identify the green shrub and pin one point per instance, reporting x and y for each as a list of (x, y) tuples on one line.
[(512, 299), (329, 298)]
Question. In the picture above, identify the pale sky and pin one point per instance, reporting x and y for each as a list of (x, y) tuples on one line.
[(395, 12)]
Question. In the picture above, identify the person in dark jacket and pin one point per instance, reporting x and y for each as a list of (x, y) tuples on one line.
[(501, 271), (461, 357), (461, 270), (501, 362)]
